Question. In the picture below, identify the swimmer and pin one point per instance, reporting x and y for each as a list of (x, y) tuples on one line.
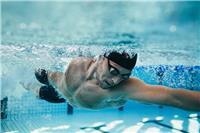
[(97, 83)]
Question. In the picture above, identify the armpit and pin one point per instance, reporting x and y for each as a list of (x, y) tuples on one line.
[(116, 102)]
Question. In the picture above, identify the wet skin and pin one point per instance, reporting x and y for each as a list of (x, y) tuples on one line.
[(100, 83)]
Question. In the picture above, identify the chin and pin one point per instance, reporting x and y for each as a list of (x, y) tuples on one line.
[(104, 86)]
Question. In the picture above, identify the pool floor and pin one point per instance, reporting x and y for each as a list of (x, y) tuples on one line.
[(137, 120)]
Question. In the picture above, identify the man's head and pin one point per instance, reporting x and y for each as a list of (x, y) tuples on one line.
[(115, 67)]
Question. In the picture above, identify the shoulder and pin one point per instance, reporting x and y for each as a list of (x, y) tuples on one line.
[(133, 82), (90, 95), (80, 60), (76, 71), (130, 85), (79, 63)]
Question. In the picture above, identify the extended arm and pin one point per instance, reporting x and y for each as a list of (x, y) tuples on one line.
[(181, 98)]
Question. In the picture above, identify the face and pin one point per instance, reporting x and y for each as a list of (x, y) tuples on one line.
[(110, 74)]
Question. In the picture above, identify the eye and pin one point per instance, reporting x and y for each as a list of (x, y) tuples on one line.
[(113, 71)]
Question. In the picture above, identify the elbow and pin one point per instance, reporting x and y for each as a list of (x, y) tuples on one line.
[(193, 105), (192, 108), (186, 100)]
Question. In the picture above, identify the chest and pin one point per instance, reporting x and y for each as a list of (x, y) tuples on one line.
[(97, 98)]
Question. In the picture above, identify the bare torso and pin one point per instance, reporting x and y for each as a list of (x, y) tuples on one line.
[(83, 89)]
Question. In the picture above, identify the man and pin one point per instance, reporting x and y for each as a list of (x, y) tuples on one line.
[(105, 81)]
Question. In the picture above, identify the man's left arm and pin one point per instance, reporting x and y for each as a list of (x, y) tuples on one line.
[(181, 98)]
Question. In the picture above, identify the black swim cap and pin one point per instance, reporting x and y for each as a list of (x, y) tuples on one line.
[(123, 59)]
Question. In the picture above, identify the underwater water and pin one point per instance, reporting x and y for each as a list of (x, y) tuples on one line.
[(166, 36), (50, 34)]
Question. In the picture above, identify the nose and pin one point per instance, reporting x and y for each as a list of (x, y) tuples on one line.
[(116, 80)]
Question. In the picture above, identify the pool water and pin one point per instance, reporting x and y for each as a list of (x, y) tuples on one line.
[(134, 118), (28, 114), (49, 34)]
